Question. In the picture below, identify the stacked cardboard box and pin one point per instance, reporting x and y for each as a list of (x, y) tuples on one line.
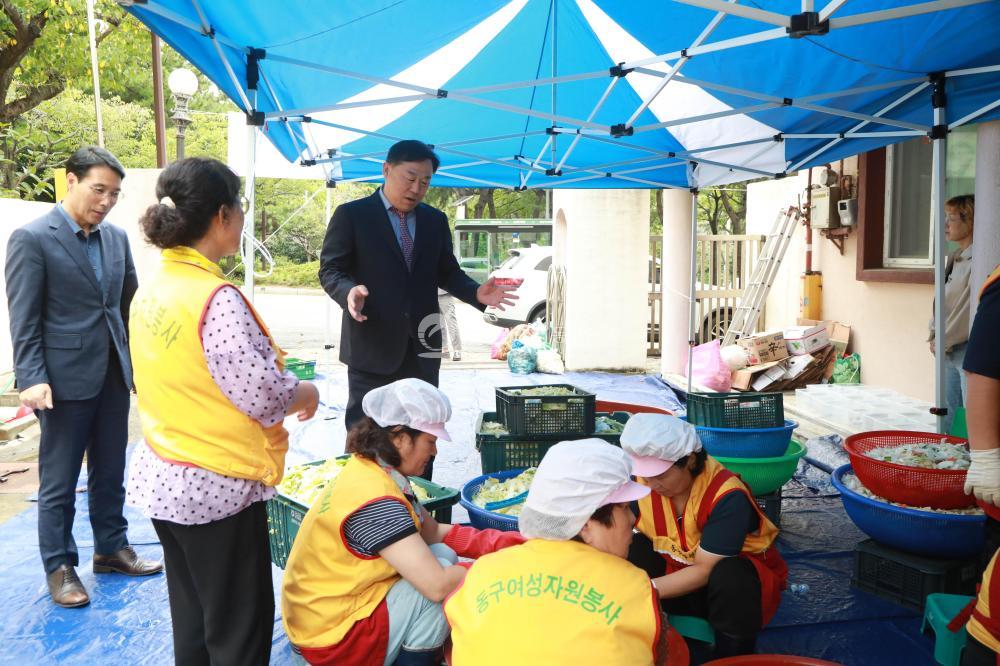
[(805, 356)]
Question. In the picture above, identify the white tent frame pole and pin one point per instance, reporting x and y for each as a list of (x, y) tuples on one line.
[(972, 70), (939, 156), (248, 223), (530, 83), (691, 285), (734, 42), (807, 5), (487, 139), (352, 75), (900, 12), (975, 114), (885, 109), (611, 165), (743, 110), (184, 22), (853, 135), (736, 167), (300, 148), (452, 151), (348, 105), (763, 16), (528, 112), (712, 25), (327, 342), (830, 8), (206, 29), (597, 107), (541, 153), (881, 120)]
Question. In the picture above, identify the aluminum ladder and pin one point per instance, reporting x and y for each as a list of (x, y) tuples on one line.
[(746, 315)]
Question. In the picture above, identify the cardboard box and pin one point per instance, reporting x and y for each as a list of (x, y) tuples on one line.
[(764, 347), (840, 334), (742, 379), (768, 377), (801, 340), (796, 365)]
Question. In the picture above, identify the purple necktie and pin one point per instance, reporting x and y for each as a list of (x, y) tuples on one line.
[(405, 239)]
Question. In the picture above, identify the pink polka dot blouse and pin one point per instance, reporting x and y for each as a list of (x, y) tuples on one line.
[(244, 365)]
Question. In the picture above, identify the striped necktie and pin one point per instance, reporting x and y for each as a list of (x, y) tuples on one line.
[(405, 239)]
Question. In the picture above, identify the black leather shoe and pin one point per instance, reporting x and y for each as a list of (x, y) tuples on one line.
[(66, 589), (126, 561)]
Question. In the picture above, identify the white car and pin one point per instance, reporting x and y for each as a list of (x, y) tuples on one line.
[(531, 266)]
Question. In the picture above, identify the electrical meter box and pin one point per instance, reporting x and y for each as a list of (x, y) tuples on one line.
[(848, 209), (823, 213)]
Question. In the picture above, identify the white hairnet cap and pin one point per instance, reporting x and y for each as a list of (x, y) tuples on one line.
[(573, 481), (409, 402), (656, 441)]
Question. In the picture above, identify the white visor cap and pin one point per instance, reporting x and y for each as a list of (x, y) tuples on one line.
[(412, 403), (573, 481)]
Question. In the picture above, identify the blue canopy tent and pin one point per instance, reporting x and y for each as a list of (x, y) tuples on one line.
[(597, 93)]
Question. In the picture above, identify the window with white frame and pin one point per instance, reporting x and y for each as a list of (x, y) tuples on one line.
[(909, 220)]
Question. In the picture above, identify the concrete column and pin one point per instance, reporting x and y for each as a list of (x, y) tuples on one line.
[(676, 277), (601, 237), (986, 245)]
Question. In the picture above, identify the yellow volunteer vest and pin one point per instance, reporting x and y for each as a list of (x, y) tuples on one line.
[(553, 602), (328, 587), (658, 520), (976, 626), (185, 416)]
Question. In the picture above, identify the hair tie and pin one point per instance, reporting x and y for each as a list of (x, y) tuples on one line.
[(168, 202)]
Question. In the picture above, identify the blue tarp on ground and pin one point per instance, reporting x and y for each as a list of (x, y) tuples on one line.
[(128, 620)]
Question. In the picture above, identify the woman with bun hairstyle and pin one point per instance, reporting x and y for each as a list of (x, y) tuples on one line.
[(212, 396)]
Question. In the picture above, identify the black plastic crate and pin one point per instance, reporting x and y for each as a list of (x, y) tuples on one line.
[(770, 505), (736, 410), (555, 415), (502, 452), (907, 579)]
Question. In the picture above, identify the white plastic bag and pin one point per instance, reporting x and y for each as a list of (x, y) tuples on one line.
[(735, 357), (548, 360)]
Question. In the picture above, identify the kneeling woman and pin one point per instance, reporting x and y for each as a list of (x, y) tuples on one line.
[(566, 596), (708, 548), (370, 567)]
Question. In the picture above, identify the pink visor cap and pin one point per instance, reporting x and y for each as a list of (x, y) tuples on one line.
[(655, 442), (436, 429)]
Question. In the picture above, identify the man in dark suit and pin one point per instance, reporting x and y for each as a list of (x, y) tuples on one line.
[(70, 281), (384, 258)]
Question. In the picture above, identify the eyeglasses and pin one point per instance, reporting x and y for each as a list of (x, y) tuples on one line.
[(102, 193)]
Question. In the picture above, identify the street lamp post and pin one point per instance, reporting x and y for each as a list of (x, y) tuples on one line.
[(183, 85)]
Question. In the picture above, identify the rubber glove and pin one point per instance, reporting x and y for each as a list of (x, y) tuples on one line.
[(983, 477), (472, 543)]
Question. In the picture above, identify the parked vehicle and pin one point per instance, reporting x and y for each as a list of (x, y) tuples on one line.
[(531, 265)]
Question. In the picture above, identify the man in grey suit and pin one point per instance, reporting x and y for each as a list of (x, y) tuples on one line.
[(70, 281)]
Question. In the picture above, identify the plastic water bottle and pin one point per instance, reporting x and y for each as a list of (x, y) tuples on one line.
[(799, 588)]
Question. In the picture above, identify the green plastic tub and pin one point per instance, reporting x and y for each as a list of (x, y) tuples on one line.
[(766, 475)]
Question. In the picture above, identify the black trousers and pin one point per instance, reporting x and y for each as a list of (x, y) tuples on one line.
[(98, 427), (220, 589), (977, 654), (730, 602), (359, 383)]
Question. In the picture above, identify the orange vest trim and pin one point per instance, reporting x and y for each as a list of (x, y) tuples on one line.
[(994, 276), (986, 628)]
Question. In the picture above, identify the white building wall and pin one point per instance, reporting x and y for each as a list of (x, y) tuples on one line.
[(888, 320), (601, 237)]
